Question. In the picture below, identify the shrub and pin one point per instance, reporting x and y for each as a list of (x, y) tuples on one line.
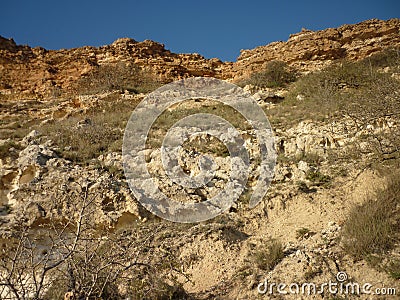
[(317, 178), (373, 227), (121, 76), (87, 259), (6, 147), (270, 255), (386, 58), (82, 139), (357, 91), (302, 232), (345, 87), (275, 74)]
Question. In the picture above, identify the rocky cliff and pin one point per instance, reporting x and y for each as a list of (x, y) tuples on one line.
[(36, 70), (309, 50)]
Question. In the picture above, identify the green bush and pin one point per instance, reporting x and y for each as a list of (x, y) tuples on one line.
[(275, 74), (317, 178)]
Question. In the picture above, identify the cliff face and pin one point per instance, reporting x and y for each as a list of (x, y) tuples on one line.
[(310, 50), (36, 70)]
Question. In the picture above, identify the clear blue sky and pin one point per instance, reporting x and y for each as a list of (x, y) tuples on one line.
[(211, 28)]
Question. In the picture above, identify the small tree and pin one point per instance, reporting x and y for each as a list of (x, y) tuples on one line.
[(119, 76), (85, 260), (275, 74)]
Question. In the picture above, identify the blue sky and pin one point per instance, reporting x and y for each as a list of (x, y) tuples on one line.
[(211, 28)]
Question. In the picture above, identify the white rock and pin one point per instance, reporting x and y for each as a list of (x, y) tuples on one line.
[(303, 166), (31, 137)]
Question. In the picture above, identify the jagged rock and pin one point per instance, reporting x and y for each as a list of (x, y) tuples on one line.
[(36, 155), (268, 95), (45, 70), (310, 138), (31, 138), (7, 44), (112, 159), (310, 50)]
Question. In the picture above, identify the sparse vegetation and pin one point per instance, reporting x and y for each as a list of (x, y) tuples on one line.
[(346, 88), (361, 92), (121, 76), (302, 232), (191, 107), (317, 178), (313, 159), (311, 273), (275, 74), (82, 139), (387, 58), (114, 249), (373, 227), (6, 147), (269, 255), (393, 268), (215, 146), (88, 261)]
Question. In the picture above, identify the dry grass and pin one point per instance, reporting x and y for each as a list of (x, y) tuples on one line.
[(359, 89), (318, 179), (82, 138), (6, 147), (270, 255), (373, 228)]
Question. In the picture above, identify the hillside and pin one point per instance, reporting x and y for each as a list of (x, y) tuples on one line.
[(71, 227)]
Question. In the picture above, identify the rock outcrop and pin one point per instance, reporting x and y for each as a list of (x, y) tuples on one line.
[(309, 50), (39, 71)]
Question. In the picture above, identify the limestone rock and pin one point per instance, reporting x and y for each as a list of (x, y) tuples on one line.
[(35, 155), (31, 138), (46, 71), (310, 50)]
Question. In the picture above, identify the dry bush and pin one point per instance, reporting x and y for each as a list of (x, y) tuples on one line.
[(347, 87), (275, 74), (6, 147), (77, 256), (269, 255), (387, 58), (374, 227), (358, 92), (120, 76), (81, 139)]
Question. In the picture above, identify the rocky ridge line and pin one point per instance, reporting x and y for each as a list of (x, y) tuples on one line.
[(35, 71)]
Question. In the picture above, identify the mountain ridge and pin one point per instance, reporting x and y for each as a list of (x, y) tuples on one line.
[(306, 51)]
